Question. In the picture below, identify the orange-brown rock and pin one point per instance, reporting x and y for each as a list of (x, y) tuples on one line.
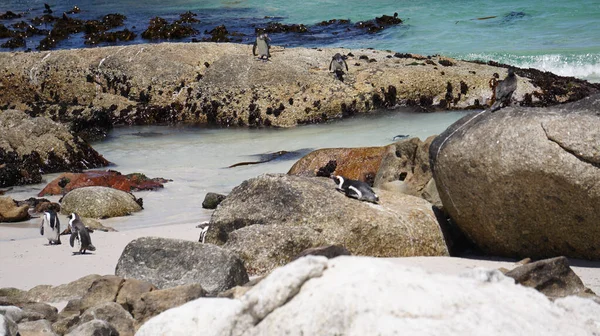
[(355, 163), (110, 178)]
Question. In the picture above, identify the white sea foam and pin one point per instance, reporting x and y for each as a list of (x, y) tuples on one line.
[(584, 66)]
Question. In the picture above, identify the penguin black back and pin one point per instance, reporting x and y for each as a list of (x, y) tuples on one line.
[(355, 189), (80, 232)]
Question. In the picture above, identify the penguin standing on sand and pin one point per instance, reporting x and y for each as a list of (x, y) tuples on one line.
[(504, 90), (262, 44), (50, 227), (337, 65), (80, 232), (355, 189)]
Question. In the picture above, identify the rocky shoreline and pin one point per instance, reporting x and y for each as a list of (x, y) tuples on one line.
[(223, 84), (519, 182)]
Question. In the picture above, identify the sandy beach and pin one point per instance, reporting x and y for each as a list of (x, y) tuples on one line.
[(26, 263)]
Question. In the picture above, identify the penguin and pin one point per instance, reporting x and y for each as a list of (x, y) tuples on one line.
[(504, 90), (337, 65), (262, 44), (80, 232), (50, 227), (355, 189), (204, 226)]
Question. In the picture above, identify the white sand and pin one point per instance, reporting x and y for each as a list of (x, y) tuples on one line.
[(26, 263)]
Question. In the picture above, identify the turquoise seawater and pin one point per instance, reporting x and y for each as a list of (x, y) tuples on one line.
[(558, 36)]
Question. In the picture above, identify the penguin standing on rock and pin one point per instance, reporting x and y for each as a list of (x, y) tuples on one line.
[(355, 189), (262, 46), (80, 232), (337, 65), (50, 227), (504, 90)]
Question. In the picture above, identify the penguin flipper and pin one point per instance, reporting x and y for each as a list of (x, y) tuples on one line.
[(254, 49), (353, 192), (346, 64), (72, 239)]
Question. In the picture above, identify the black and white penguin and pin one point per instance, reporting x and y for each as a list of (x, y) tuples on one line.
[(80, 232), (504, 90), (50, 227), (262, 44), (355, 189), (204, 226), (337, 65)]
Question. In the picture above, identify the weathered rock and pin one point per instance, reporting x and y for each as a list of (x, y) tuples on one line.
[(39, 310), (8, 327), (265, 247), (406, 161), (30, 147), (552, 277), (99, 202), (171, 262), (12, 312), (367, 296), (112, 313), (104, 289), (91, 224), (130, 292), (10, 212), (36, 328), (64, 324), (400, 225), (94, 328), (354, 163), (524, 182), (211, 200), (99, 87), (329, 252), (66, 292), (99, 178), (153, 303)]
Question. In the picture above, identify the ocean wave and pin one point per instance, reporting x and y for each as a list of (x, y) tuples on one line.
[(584, 66)]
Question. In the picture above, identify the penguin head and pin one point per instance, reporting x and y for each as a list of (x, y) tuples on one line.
[(338, 180), (511, 71), (338, 58)]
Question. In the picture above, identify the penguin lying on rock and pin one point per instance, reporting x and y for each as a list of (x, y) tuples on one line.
[(355, 189), (50, 227), (80, 233)]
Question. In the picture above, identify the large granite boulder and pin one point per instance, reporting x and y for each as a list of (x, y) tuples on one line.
[(72, 290), (405, 167), (265, 247), (36, 328), (172, 262), (400, 225), (30, 147), (10, 212), (524, 182), (102, 178), (368, 296), (94, 327), (99, 202), (202, 83), (355, 163)]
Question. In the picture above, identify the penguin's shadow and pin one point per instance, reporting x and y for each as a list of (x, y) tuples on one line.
[(79, 253)]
